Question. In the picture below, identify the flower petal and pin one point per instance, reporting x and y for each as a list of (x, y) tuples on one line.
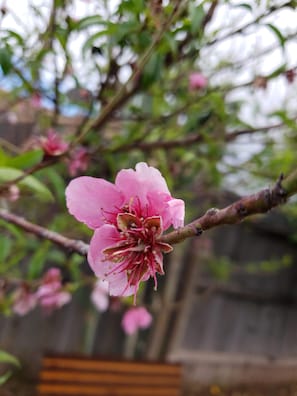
[(93, 201), (177, 212), (171, 210), (118, 285), (103, 237), (139, 182), (107, 236)]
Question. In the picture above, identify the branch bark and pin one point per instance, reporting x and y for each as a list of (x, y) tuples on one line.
[(66, 243), (260, 202)]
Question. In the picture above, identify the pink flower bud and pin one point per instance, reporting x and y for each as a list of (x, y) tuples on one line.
[(136, 318), (23, 300), (13, 193), (197, 81), (53, 144), (50, 293), (78, 161)]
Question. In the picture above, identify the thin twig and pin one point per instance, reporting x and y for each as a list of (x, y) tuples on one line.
[(260, 202), (70, 244)]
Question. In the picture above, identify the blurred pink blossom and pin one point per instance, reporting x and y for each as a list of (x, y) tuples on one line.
[(99, 295), (23, 300), (128, 218), (53, 144), (136, 318), (13, 193), (50, 293), (78, 161), (36, 100), (197, 81)]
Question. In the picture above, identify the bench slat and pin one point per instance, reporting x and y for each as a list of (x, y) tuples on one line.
[(73, 390), (108, 366), (115, 378), (72, 376)]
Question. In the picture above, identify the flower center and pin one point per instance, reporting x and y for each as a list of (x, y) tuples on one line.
[(138, 252)]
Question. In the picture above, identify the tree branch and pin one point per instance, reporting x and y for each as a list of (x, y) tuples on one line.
[(260, 202), (70, 244), (187, 140)]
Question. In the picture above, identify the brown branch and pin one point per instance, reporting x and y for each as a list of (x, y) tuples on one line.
[(260, 202), (187, 141), (70, 244), (267, 12)]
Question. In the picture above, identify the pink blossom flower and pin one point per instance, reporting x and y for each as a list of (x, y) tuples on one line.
[(99, 295), (53, 144), (50, 293), (13, 193), (23, 300), (78, 161), (128, 218), (197, 81), (136, 318), (36, 100)]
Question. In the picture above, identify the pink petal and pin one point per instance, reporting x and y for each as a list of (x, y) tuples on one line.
[(139, 182), (118, 285), (63, 298), (171, 210), (99, 295), (177, 212), (136, 318), (93, 201), (197, 81), (104, 237), (144, 318)]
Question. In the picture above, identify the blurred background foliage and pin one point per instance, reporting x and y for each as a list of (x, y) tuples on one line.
[(113, 77)]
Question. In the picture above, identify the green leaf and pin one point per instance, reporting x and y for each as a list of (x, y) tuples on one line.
[(132, 6), (3, 157), (89, 21), (5, 60), (62, 36), (10, 174), (6, 357), (280, 70), (5, 377), (19, 39), (25, 160), (37, 261), (13, 230), (90, 41), (196, 14), (278, 34), (57, 183), (244, 5), (5, 247), (152, 71)]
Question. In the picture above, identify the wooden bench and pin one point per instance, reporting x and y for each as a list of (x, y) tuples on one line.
[(87, 376)]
